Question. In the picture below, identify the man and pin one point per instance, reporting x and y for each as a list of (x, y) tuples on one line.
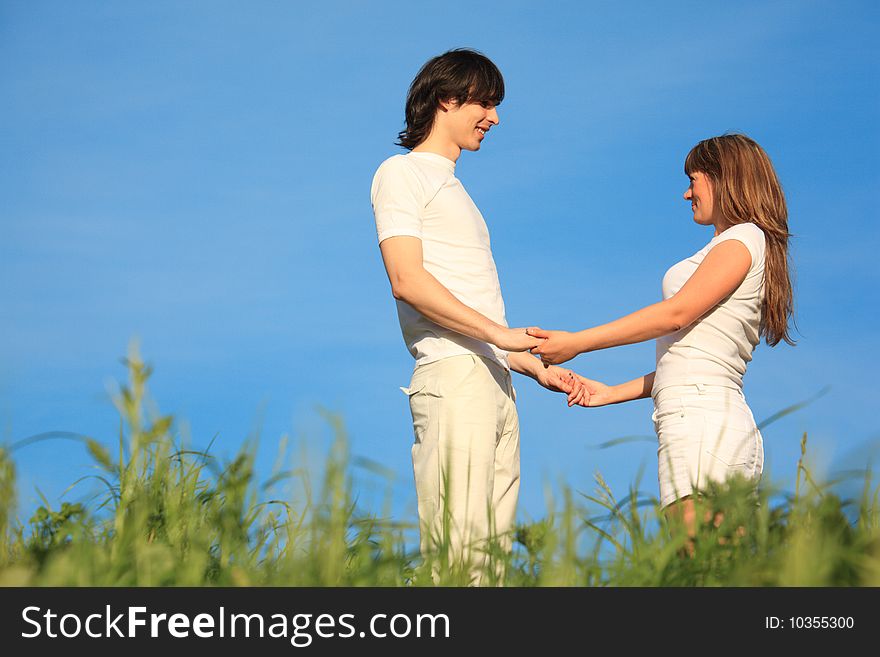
[(435, 246)]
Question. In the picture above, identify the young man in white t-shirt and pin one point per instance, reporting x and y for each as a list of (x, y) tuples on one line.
[(436, 250)]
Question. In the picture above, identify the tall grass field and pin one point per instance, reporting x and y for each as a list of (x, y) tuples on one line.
[(170, 516)]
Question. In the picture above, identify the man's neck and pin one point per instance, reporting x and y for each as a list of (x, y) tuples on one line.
[(444, 147)]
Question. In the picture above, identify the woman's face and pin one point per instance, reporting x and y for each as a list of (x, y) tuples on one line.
[(701, 195)]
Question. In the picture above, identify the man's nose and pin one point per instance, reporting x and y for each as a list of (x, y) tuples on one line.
[(687, 194), (493, 116)]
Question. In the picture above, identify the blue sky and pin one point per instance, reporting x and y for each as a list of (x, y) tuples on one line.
[(196, 175)]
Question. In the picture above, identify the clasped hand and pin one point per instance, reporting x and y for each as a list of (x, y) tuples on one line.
[(558, 346), (553, 378), (559, 379)]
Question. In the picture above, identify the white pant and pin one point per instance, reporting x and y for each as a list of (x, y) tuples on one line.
[(465, 455), (705, 433)]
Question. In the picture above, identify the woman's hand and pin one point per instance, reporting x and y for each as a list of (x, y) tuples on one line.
[(599, 393), (558, 347)]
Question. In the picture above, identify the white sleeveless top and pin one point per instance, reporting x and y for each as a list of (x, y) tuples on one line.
[(715, 349)]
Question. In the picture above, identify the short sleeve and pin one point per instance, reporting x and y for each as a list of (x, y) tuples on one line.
[(397, 196), (751, 236)]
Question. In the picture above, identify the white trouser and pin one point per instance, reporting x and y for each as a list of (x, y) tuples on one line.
[(465, 455), (705, 433)]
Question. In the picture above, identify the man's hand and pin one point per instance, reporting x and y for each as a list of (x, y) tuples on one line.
[(514, 339), (559, 379), (558, 347)]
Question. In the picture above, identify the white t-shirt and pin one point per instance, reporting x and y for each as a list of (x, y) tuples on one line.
[(417, 194), (715, 349)]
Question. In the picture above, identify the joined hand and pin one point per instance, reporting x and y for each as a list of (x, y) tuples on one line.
[(557, 347), (516, 339), (559, 379)]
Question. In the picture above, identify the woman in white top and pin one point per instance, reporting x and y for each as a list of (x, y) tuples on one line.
[(716, 306)]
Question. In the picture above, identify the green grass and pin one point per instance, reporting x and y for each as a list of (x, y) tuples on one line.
[(169, 516)]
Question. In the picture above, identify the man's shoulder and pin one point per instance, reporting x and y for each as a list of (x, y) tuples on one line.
[(398, 170), (394, 164), (397, 173), (404, 173)]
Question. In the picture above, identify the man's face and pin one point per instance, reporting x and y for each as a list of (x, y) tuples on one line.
[(468, 124)]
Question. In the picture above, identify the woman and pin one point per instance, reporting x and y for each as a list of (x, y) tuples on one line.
[(716, 306)]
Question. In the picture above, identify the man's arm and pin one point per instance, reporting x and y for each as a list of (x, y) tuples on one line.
[(413, 284)]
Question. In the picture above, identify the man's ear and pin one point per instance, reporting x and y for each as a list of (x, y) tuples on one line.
[(448, 104)]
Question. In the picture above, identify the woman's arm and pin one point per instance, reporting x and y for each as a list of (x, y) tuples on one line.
[(603, 395), (723, 270)]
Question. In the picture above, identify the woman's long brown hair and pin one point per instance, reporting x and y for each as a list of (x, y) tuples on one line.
[(746, 189)]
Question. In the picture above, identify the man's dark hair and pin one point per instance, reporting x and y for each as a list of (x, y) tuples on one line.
[(463, 75)]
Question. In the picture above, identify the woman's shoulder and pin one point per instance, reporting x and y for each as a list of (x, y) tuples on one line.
[(749, 234), (746, 230)]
